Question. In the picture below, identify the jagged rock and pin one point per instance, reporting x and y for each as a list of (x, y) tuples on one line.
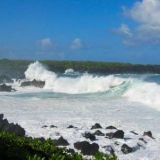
[(86, 148), (53, 126), (126, 149), (96, 126), (6, 88), (90, 136), (148, 133), (118, 134), (11, 127), (98, 133), (61, 142), (35, 83), (111, 127)]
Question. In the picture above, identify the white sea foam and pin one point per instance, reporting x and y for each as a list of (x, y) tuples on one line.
[(132, 88)]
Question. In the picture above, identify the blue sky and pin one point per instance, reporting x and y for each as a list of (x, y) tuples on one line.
[(101, 30)]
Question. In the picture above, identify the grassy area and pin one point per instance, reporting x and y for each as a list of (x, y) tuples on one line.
[(14, 147)]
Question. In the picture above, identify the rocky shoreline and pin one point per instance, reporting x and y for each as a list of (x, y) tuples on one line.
[(89, 147)]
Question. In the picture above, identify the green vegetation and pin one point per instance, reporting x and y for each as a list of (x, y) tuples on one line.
[(14, 147), (89, 66)]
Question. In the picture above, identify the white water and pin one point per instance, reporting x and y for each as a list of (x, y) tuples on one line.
[(126, 102), (136, 90)]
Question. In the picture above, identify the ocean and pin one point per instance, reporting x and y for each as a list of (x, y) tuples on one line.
[(130, 102)]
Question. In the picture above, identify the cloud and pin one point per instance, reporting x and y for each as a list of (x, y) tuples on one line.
[(124, 30), (46, 43), (77, 44), (146, 15)]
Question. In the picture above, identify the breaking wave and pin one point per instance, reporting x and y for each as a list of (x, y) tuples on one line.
[(134, 89)]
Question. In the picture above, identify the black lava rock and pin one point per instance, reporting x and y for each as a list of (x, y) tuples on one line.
[(11, 127), (126, 149), (61, 142), (6, 88), (111, 127), (148, 133), (90, 136), (35, 83), (118, 134), (86, 148), (98, 133), (96, 126)]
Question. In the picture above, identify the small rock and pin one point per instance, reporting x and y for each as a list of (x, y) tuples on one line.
[(126, 149), (142, 139), (61, 142), (53, 126), (90, 136), (111, 127), (96, 126), (98, 133), (86, 148), (118, 134), (70, 126), (34, 83), (44, 126), (134, 132), (148, 133)]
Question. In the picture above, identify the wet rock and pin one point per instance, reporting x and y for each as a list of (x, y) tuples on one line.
[(53, 126), (126, 149), (35, 83), (61, 142), (11, 127), (118, 134), (90, 136), (134, 132), (111, 127), (148, 133), (98, 133), (96, 126), (86, 148), (142, 139), (70, 126), (44, 126), (6, 88)]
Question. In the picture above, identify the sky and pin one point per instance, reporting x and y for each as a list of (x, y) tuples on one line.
[(96, 30)]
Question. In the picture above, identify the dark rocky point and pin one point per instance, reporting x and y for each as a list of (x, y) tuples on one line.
[(61, 142), (96, 126), (111, 127), (11, 127), (126, 149), (90, 136), (86, 148), (6, 88), (98, 133), (35, 83)]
